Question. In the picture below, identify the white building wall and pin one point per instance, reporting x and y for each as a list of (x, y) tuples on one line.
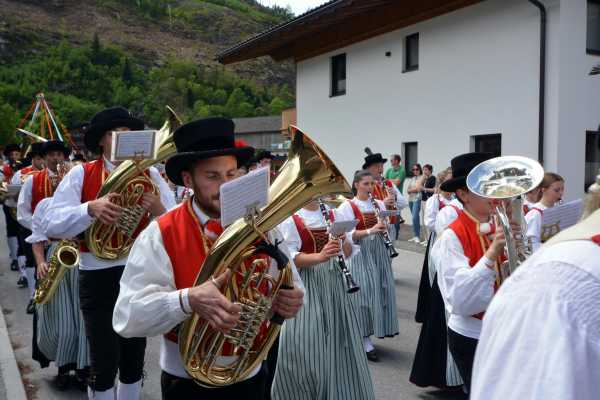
[(478, 74)]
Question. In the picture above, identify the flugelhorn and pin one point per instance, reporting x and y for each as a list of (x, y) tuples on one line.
[(308, 174), (507, 179), (351, 285), (111, 242)]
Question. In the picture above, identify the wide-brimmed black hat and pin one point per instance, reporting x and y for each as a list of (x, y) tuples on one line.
[(202, 139), (9, 148), (372, 158), (55, 145), (36, 149), (106, 120), (461, 166), (262, 154)]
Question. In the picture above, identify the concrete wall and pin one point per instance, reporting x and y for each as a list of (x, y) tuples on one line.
[(478, 74)]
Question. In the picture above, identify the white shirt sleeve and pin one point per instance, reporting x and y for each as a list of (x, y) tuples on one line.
[(68, 217), (24, 213), (444, 218), (291, 237), (401, 201), (16, 178), (467, 290), (148, 302), (167, 196), (275, 235), (432, 209), (534, 228)]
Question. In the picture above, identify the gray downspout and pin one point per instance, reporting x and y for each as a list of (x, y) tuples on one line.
[(542, 94)]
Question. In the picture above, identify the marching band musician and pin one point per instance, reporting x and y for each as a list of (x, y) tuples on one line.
[(467, 260), (375, 302), (157, 292), (74, 207), (12, 153), (531, 198), (26, 259), (541, 334), (59, 333), (326, 330), (552, 191), (433, 365), (384, 189)]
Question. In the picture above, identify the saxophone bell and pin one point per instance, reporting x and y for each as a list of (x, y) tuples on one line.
[(64, 257)]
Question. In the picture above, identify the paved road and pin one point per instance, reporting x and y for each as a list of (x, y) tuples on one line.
[(390, 375)]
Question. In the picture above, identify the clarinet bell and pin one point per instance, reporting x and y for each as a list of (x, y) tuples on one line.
[(392, 251), (351, 285)]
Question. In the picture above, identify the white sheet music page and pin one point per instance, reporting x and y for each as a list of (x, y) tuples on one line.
[(565, 215), (133, 145), (244, 193), (339, 227)]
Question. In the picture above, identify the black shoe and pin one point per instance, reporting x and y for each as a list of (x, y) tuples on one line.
[(62, 381), (22, 282), (31, 308), (14, 266), (372, 356)]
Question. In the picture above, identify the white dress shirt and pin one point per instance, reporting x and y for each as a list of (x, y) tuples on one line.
[(432, 209), (68, 217), (312, 220), (541, 333), (401, 201), (446, 216), (466, 290), (38, 228), (148, 302), (534, 225), (24, 213)]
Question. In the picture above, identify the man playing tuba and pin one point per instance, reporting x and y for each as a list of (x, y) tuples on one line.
[(74, 208), (157, 292)]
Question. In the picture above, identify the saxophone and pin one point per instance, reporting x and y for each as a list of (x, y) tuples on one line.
[(64, 257)]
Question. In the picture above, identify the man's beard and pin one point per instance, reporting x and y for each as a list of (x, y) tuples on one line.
[(206, 205)]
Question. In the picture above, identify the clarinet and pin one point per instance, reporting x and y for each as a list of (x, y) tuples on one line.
[(384, 235), (350, 284)]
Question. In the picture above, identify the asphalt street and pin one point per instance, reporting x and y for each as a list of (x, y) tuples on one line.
[(390, 374)]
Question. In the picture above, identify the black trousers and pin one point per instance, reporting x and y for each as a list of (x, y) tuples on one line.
[(175, 388), (109, 352), (12, 226), (25, 249), (269, 366), (463, 350)]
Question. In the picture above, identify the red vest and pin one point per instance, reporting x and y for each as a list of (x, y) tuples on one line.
[(365, 220), (187, 247), (473, 243), (8, 172), (313, 240), (41, 188)]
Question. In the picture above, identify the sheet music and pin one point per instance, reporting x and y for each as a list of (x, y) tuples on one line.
[(388, 213), (130, 145), (238, 195), (340, 227), (562, 216)]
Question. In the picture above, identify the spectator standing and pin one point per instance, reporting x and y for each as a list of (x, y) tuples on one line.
[(429, 183), (396, 173), (414, 189)]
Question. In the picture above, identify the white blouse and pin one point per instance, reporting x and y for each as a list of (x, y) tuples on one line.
[(534, 225), (446, 216), (432, 209), (148, 302), (541, 333), (38, 228), (314, 220), (68, 216)]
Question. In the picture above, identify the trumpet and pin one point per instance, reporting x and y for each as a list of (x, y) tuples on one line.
[(350, 283), (384, 235)]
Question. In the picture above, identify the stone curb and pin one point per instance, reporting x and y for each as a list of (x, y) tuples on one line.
[(10, 371)]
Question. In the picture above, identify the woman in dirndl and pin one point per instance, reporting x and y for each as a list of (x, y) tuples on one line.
[(372, 267), (60, 332), (320, 351)]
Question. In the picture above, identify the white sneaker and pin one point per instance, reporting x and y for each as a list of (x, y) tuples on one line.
[(414, 239), (424, 243)]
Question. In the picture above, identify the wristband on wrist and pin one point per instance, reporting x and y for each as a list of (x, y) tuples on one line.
[(181, 303)]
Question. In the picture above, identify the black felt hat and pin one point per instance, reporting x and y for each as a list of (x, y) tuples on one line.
[(202, 139), (55, 145), (106, 120), (372, 158), (9, 148), (262, 154), (37, 149), (461, 166)]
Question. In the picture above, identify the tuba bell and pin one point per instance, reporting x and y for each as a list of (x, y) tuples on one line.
[(64, 257), (111, 242), (505, 180), (307, 174)]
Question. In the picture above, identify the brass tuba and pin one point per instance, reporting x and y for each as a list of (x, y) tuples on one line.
[(508, 179), (64, 257), (111, 242), (307, 174)]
